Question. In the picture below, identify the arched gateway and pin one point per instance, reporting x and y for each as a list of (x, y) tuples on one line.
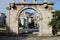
[(44, 11)]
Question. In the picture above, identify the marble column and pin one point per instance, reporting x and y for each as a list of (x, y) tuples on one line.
[(23, 0), (34, 0), (44, 0)]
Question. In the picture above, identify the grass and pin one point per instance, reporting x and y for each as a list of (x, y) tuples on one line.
[(32, 35), (3, 28), (20, 27), (58, 30)]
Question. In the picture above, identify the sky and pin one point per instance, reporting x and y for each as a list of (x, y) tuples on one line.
[(4, 3)]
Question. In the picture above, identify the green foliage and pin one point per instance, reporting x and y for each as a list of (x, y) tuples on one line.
[(58, 24), (55, 22)]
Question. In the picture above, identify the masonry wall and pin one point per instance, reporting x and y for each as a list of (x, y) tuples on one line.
[(44, 14)]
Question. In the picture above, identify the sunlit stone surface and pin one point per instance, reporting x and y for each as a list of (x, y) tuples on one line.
[(44, 13)]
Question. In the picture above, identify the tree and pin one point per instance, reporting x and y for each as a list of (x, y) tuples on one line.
[(55, 22)]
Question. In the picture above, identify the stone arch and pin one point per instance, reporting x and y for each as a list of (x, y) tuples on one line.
[(24, 8), (31, 7), (17, 8)]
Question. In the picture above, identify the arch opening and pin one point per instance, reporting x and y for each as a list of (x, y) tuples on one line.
[(28, 10), (28, 19)]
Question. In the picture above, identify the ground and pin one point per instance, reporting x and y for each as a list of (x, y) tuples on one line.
[(29, 38)]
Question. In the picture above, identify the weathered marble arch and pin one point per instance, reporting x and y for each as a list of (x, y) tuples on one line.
[(43, 9)]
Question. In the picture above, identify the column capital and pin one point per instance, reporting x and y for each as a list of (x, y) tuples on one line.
[(34, 0), (13, 1), (23, 0), (44, 0)]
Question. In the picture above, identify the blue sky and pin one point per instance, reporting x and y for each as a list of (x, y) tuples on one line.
[(3, 4)]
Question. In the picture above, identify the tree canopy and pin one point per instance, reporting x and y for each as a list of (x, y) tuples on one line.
[(55, 22)]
